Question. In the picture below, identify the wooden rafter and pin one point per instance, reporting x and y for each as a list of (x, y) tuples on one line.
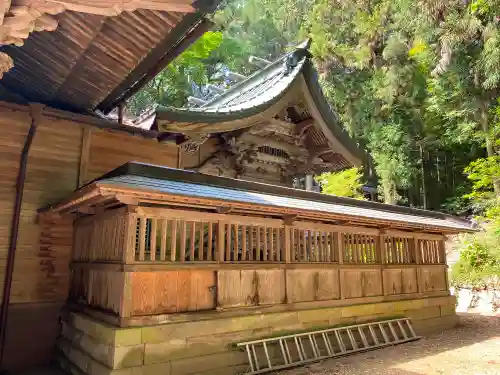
[(19, 18)]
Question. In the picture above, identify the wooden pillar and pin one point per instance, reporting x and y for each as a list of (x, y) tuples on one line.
[(121, 111), (418, 262), (442, 255), (287, 245), (382, 258), (340, 253), (221, 226), (130, 236), (84, 155)]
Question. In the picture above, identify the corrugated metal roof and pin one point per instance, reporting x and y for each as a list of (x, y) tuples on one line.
[(252, 197)]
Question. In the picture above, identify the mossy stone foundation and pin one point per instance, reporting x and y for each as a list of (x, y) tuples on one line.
[(89, 346)]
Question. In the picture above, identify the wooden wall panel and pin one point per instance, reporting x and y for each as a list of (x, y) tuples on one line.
[(433, 278), (409, 276), (243, 288), (171, 291), (193, 160), (102, 289), (361, 283), (300, 285), (109, 150), (392, 281), (14, 128), (271, 287), (41, 270), (236, 288), (312, 285)]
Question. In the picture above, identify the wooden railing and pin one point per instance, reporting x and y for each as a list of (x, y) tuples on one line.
[(146, 261), (164, 235)]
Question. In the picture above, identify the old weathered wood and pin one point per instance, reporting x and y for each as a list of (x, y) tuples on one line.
[(84, 155), (228, 243), (163, 239), (278, 245), (173, 240), (154, 229), (220, 241), (192, 241), (210, 241), (206, 216), (286, 245), (182, 256)]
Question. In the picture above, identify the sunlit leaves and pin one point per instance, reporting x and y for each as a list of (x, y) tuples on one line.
[(347, 183)]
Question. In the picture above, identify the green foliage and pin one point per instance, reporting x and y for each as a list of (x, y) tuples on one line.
[(347, 183), (479, 262), (173, 85), (406, 78)]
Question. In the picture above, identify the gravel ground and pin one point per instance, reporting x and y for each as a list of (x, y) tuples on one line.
[(471, 349)]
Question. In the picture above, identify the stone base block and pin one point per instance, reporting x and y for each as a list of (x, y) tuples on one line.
[(88, 346)]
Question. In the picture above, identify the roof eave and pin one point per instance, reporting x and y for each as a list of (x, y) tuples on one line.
[(186, 32)]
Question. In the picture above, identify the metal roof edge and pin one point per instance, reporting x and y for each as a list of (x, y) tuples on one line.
[(166, 173), (199, 115)]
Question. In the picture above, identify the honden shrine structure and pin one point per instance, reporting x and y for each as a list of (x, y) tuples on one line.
[(156, 244)]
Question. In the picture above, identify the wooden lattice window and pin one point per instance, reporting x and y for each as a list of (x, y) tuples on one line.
[(398, 250), (360, 248), (175, 240), (253, 243), (430, 251), (309, 245)]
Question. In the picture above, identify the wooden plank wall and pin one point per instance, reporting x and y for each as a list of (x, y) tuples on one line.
[(108, 150), (64, 153)]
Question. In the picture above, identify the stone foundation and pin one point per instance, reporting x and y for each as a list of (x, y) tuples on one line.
[(88, 346)]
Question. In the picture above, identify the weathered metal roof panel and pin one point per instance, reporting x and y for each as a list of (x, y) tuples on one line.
[(253, 197)]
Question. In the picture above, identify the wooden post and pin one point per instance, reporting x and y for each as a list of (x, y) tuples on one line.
[(121, 110), (130, 237), (84, 156), (442, 256), (287, 247), (340, 247), (339, 237), (383, 261), (126, 296), (219, 256), (418, 262)]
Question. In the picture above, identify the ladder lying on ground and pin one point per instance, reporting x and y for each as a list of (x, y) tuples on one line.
[(293, 350)]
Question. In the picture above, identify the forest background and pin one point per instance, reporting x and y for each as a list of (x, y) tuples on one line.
[(416, 83)]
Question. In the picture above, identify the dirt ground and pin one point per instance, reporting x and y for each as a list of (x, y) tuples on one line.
[(471, 349)]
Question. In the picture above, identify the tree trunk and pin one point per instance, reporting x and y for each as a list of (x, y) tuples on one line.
[(490, 148), (422, 171)]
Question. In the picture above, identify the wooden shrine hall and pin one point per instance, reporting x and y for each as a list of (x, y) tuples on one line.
[(144, 268), (273, 126), (170, 268)]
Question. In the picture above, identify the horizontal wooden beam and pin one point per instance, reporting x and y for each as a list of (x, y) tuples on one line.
[(138, 321), (224, 210), (149, 266)]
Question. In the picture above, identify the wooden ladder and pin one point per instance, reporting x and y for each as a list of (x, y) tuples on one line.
[(293, 350)]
